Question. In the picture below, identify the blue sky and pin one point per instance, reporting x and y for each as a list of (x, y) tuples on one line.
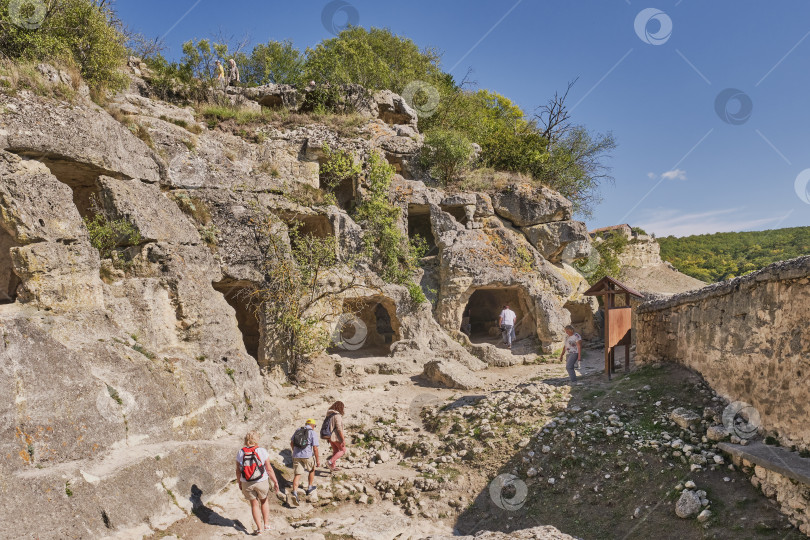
[(679, 167)]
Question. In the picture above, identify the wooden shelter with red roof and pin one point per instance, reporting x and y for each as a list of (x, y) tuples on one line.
[(618, 319)]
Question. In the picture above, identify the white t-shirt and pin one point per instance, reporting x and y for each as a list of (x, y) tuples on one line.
[(263, 455), (508, 317), (571, 342)]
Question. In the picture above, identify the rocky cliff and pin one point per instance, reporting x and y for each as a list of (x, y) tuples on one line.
[(123, 382)]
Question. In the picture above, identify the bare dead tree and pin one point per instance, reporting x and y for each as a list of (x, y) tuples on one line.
[(554, 119)]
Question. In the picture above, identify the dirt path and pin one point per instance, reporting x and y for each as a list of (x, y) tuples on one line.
[(423, 459), (368, 397)]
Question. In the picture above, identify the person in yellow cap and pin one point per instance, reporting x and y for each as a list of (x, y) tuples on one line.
[(304, 444)]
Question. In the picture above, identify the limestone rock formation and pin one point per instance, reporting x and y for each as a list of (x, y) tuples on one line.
[(121, 374)]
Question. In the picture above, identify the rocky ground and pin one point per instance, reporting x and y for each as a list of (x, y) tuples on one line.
[(527, 458)]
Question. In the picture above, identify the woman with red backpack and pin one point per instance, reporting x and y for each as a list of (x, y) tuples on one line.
[(332, 431), (252, 473)]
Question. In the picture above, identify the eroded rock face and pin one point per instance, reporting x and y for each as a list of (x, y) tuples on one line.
[(60, 135)]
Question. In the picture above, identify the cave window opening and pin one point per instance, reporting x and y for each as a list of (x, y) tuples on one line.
[(344, 192), (8, 279), (457, 212), (419, 224), (237, 294), (367, 327), (480, 317), (317, 226)]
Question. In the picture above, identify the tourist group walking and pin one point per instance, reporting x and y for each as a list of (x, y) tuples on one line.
[(254, 471)]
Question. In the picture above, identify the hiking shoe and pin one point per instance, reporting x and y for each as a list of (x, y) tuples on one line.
[(292, 499), (310, 489)]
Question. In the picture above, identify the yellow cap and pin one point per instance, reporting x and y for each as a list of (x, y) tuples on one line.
[(311, 422)]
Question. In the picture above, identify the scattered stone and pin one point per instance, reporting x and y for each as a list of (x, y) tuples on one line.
[(684, 417), (688, 504), (717, 433)]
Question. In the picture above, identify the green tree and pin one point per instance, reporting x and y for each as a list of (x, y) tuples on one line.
[(80, 33), (274, 62), (375, 59), (200, 57), (446, 153)]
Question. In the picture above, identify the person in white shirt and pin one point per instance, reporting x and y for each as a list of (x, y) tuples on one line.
[(252, 473), (507, 323), (573, 352)]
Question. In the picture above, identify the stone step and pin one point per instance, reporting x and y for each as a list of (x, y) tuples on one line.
[(773, 458)]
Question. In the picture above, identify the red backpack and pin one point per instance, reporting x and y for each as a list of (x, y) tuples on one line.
[(252, 467)]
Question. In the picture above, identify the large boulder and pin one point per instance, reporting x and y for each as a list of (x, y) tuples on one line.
[(551, 239), (525, 205), (451, 375)]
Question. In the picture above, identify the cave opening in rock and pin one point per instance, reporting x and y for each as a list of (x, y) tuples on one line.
[(457, 212), (8, 279), (582, 319), (318, 226), (81, 178), (480, 316), (344, 191), (419, 225), (237, 294), (367, 327)]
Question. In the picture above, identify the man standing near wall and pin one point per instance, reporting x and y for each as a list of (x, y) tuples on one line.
[(507, 323)]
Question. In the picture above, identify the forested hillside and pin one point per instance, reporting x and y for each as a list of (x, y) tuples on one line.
[(720, 256)]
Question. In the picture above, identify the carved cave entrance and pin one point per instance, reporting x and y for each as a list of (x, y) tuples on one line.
[(8, 279), (480, 317), (419, 224), (457, 212), (318, 226), (344, 192), (236, 293), (368, 327)]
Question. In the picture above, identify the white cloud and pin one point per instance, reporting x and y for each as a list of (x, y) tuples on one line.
[(652, 175), (665, 222), (676, 174)]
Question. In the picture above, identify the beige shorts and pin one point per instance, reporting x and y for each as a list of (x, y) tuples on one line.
[(256, 490), (303, 465)]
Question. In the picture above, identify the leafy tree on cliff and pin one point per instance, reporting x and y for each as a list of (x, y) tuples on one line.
[(274, 62), (80, 33), (375, 58)]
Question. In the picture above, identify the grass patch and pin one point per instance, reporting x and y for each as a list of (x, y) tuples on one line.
[(114, 395), (144, 351)]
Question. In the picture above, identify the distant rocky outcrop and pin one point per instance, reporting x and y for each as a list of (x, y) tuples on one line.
[(642, 267)]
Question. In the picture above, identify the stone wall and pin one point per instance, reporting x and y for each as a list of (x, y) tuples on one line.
[(748, 337)]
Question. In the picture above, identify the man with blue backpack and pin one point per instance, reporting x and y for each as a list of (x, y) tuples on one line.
[(304, 445), (252, 473)]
